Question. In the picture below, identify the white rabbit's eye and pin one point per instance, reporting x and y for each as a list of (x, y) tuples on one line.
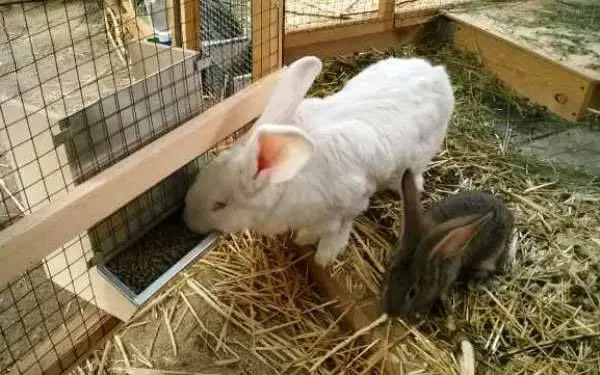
[(412, 292), (219, 206)]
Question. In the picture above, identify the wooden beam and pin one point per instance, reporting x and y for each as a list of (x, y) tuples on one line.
[(341, 40), (68, 344), (24, 243), (190, 24), (357, 315), (563, 91)]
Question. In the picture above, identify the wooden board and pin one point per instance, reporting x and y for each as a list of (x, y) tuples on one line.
[(564, 91), (341, 40), (24, 243)]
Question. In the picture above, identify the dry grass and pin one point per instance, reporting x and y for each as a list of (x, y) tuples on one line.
[(254, 310)]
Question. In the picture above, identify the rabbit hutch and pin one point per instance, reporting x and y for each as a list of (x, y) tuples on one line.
[(109, 108)]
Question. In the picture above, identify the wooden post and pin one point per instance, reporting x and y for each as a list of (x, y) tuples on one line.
[(190, 24), (267, 27)]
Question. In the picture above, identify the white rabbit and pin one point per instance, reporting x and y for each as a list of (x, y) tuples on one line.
[(311, 165)]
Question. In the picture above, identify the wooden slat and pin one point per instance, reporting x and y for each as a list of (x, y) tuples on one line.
[(68, 344), (563, 91), (24, 243)]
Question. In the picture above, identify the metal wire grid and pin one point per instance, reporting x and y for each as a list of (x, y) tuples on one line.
[(306, 14), (302, 14), (70, 108)]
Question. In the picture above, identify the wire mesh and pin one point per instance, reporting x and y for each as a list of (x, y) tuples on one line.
[(84, 84), (305, 14)]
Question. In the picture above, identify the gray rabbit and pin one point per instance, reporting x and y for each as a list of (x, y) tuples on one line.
[(464, 235)]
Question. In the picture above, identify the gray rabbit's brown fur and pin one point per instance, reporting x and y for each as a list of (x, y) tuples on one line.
[(463, 236)]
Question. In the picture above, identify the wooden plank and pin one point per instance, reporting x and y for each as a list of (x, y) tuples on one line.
[(189, 23), (68, 344), (24, 243), (563, 91), (336, 42), (357, 315)]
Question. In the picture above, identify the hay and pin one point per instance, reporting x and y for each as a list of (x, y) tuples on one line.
[(250, 303)]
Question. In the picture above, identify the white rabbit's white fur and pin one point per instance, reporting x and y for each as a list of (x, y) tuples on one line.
[(312, 165)]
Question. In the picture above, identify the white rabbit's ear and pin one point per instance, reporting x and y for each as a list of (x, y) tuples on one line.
[(278, 152), (290, 90)]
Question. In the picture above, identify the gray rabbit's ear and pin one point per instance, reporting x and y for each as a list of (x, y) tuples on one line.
[(453, 236), (413, 223)]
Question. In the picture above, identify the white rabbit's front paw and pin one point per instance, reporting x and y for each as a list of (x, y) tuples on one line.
[(331, 246), (305, 237), (324, 257), (333, 242)]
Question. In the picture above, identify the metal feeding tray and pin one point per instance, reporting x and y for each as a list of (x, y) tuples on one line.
[(142, 269)]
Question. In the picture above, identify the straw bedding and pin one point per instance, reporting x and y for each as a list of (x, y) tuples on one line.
[(249, 307)]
